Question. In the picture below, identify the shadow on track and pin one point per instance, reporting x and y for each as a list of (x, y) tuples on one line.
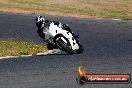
[(129, 40), (54, 55)]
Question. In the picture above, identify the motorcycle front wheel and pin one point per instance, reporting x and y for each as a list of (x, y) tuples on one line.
[(63, 46)]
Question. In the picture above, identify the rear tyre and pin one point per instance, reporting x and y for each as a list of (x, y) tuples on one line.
[(51, 46), (64, 47), (80, 50)]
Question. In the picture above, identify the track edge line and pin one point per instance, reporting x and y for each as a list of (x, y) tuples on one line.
[(30, 55)]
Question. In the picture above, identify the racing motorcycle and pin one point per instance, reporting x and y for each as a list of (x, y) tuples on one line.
[(62, 39)]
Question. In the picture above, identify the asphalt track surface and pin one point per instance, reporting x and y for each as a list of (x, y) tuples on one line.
[(108, 49)]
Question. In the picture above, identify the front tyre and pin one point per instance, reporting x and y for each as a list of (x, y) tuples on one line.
[(64, 46)]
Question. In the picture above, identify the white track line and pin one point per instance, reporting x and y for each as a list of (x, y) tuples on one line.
[(109, 19), (38, 54)]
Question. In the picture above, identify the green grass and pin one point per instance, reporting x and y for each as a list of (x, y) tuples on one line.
[(97, 8), (17, 48)]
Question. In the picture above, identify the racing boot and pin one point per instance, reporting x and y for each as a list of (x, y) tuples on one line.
[(51, 46)]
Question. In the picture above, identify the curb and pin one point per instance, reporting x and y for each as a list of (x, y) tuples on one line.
[(54, 51)]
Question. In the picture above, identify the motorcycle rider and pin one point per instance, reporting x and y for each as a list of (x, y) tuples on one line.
[(41, 23)]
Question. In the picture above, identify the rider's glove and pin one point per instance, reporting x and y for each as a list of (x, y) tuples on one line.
[(65, 26)]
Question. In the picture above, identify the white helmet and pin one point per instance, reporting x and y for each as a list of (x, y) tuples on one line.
[(39, 20)]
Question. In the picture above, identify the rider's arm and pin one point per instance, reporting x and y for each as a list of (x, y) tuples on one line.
[(56, 23), (66, 27), (40, 32)]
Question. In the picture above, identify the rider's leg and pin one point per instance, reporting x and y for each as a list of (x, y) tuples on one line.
[(40, 32), (42, 35)]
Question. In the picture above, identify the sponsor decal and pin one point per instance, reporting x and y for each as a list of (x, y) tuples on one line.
[(83, 77)]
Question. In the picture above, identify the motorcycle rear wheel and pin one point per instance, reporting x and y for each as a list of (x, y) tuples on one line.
[(80, 50), (51, 46)]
